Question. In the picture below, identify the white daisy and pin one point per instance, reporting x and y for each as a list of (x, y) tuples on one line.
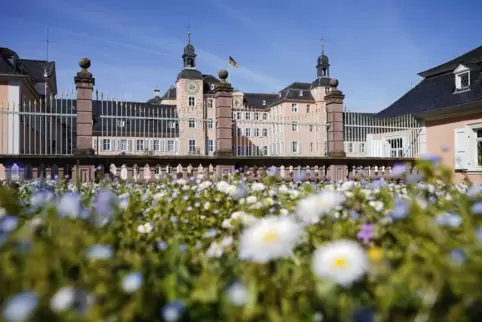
[(313, 207), (269, 238), (341, 261), (145, 228)]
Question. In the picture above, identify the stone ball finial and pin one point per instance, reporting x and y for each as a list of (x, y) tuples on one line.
[(223, 74), (334, 82), (84, 63)]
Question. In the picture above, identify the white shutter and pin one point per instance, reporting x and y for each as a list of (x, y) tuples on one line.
[(462, 144), (94, 144), (375, 148), (386, 149)]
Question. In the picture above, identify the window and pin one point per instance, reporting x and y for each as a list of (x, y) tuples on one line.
[(238, 115), (106, 145), (172, 125), (350, 147), (94, 144), (124, 145), (264, 103), (265, 116), (256, 132), (248, 132), (362, 147), (192, 123), (210, 145), (295, 147), (479, 146), (213, 87), (210, 102), (462, 81), (327, 90), (121, 123), (247, 116), (294, 126), (256, 116), (301, 93), (265, 132), (311, 128), (265, 150), (170, 145), (396, 147), (156, 145), (210, 123), (294, 107), (308, 108), (192, 145), (192, 101), (139, 145), (311, 146), (239, 132)]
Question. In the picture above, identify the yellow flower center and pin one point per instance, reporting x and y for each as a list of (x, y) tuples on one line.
[(340, 262), (270, 237), (375, 254)]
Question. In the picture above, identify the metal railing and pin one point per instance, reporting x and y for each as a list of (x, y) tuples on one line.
[(43, 127), (277, 132), (366, 135)]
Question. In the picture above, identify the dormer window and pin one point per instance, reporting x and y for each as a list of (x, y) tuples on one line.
[(301, 93), (462, 78), (279, 95), (264, 103), (212, 87)]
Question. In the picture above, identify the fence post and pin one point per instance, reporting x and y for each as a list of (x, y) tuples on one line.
[(224, 125), (84, 84), (334, 111)]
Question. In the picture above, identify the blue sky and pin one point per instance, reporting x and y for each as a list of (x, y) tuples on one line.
[(375, 47)]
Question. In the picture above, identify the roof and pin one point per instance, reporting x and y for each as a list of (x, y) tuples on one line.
[(190, 73), (435, 93), (36, 68), (437, 90), (255, 100), (321, 81), (472, 57)]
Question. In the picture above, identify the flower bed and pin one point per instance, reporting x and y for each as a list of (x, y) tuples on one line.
[(201, 250)]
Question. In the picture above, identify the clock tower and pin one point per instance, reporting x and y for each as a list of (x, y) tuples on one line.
[(190, 104)]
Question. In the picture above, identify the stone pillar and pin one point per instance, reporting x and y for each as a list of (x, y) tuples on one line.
[(334, 111), (84, 84), (224, 124)]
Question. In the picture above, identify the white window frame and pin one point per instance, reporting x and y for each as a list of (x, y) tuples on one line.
[(142, 145), (121, 145), (172, 125), (210, 145), (256, 132), (238, 116), (256, 116), (213, 87), (459, 72), (294, 144), (191, 101), (301, 93), (294, 107), (465, 156), (265, 132), (192, 123), (121, 123), (191, 145), (171, 146), (295, 126), (247, 132), (210, 123), (398, 151), (265, 116), (158, 143), (247, 116), (108, 143), (264, 103), (210, 103)]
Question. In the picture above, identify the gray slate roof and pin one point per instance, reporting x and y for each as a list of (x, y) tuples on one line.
[(437, 90), (296, 91), (255, 100)]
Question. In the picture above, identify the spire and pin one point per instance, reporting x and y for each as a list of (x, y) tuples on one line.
[(322, 47), (188, 37), (323, 65)]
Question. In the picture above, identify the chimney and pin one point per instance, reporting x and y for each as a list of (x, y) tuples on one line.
[(157, 92)]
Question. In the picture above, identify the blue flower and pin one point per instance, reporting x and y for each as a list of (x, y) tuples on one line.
[(458, 256), (354, 214), (132, 282), (69, 205), (272, 171), (8, 224), (399, 170), (474, 191), (162, 245), (400, 210), (99, 252), (432, 158), (449, 220), (172, 311), (478, 234), (103, 206), (20, 307), (477, 208)]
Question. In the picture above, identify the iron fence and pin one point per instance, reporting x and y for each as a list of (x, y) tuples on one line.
[(366, 135), (43, 127), (270, 132)]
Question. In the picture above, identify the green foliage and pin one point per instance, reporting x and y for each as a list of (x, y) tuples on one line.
[(183, 239)]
